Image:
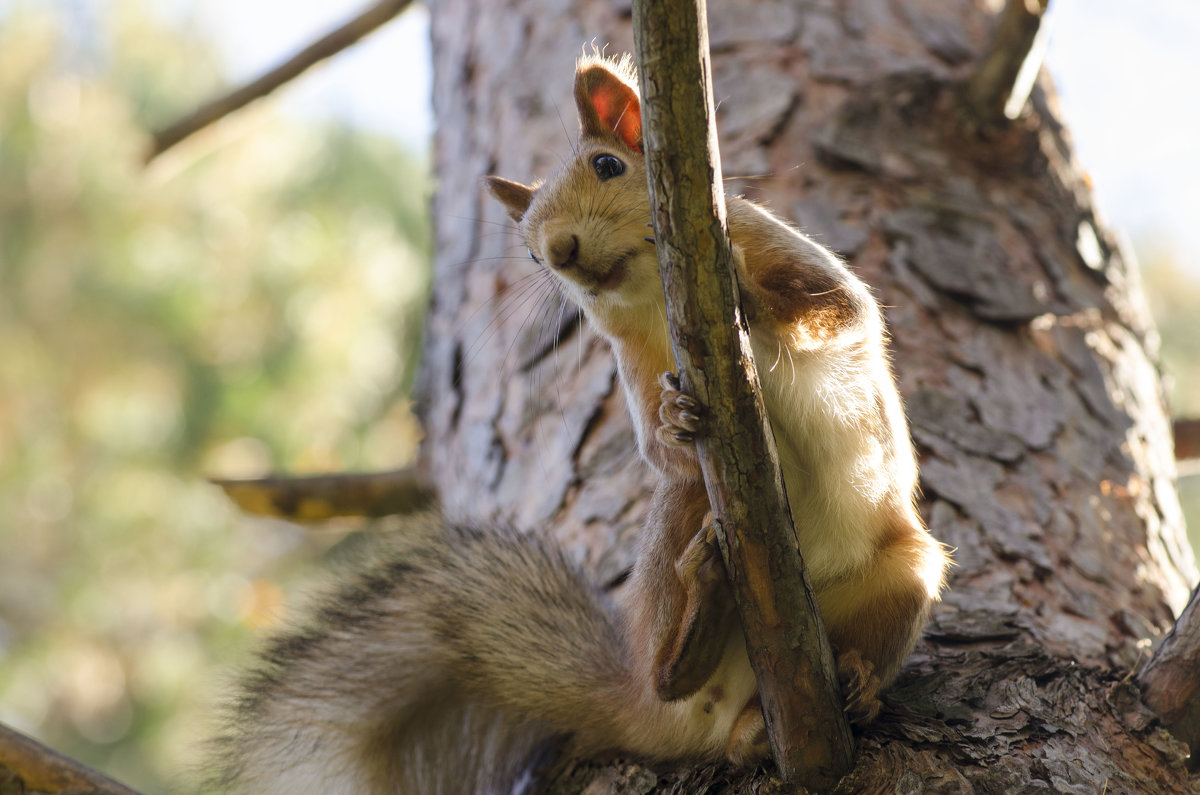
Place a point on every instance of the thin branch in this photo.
(1002, 80)
(328, 45)
(316, 498)
(785, 637)
(39, 768)
(1170, 681)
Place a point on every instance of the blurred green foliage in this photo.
(1174, 295)
(235, 309)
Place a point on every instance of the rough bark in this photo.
(785, 637)
(1021, 343)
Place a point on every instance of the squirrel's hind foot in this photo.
(860, 686)
(748, 743)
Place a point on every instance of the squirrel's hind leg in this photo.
(875, 617)
(681, 608)
(688, 659)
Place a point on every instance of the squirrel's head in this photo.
(588, 222)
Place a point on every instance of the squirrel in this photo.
(459, 654)
(847, 459)
(449, 663)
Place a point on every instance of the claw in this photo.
(861, 687)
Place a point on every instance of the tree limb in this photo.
(328, 45)
(1000, 85)
(1187, 438)
(785, 637)
(39, 768)
(316, 498)
(1170, 681)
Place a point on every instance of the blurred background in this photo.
(252, 302)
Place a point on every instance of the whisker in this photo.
(562, 308)
(563, 124)
(504, 224)
(545, 288)
(539, 297)
(510, 304)
(765, 175)
(534, 386)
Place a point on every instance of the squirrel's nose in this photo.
(563, 250)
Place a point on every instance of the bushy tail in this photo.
(438, 667)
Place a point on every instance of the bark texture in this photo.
(1021, 340)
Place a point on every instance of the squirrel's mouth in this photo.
(616, 272)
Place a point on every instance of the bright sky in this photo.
(1128, 74)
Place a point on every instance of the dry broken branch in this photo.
(1187, 438)
(328, 45)
(1002, 80)
(29, 766)
(316, 498)
(785, 638)
(1170, 681)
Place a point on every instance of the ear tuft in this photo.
(607, 100)
(515, 197)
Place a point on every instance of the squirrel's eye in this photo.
(608, 166)
(533, 257)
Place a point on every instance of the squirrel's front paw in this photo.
(679, 414)
(860, 685)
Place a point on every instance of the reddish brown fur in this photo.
(879, 610)
(673, 611)
(812, 298)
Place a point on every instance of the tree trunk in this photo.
(1022, 345)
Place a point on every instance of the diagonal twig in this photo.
(997, 90)
(328, 45)
(785, 637)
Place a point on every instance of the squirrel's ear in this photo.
(608, 105)
(513, 195)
